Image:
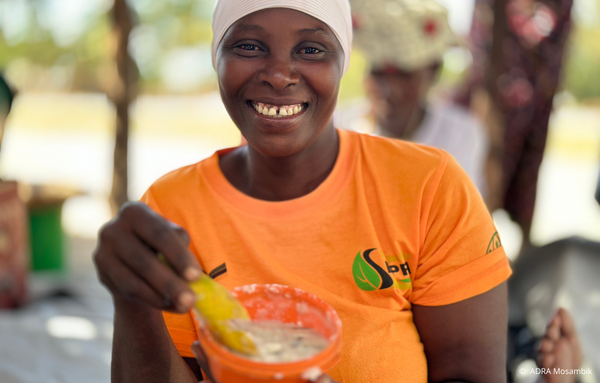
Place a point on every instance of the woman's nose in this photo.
(279, 73)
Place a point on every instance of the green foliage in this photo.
(175, 23)
(187, 23)
(38, 52)
(352, 82)
(46, 53)
(581, 74)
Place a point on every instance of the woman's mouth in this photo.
(278, 111)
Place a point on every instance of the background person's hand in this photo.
(128, 266)
(203, 363)
(560, 348)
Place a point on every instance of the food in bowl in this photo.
(278, 342)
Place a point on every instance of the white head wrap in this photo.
(334, 13)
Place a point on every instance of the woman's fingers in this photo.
(182, 233)
(199, 353)
(143, 262)
(202, 360)
(127, 262)
(162, 236)
(120, 278)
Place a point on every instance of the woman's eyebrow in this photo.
(249, 28)
(244, 28)
(313, 31)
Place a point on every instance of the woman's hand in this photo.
(127, 264)
(141, 287)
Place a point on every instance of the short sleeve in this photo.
(148, 199)
(183, 329)
(461, 254)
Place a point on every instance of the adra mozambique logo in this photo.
(369, 276)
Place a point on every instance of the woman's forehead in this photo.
(332, 16)
(279, 20)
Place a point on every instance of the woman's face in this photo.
(279, 74)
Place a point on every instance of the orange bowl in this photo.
(284, 304)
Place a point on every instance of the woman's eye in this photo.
(249, 47)
(310, 51)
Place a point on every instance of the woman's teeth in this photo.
(277, 111)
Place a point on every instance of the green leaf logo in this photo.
(494, 243)
(365, 276)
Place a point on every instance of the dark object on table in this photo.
(44, 204)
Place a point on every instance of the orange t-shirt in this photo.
(394, 224)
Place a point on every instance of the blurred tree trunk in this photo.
(499, 33)
(485, 103)
(490, 111)
(496, 117)
(121, 95)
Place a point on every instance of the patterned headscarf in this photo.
(403, 34)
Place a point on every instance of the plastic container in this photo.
(284, 304)
(47, 242)
(45, 203)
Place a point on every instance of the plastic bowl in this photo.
(284, 304)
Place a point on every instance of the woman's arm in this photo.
(142, 287)
(142, 348)
(466, 341)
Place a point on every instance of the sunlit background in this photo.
(57, 54)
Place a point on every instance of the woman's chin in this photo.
(276, 146)
(293, 138)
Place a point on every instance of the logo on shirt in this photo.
(494, 243)
(369, 276)
(218, 271)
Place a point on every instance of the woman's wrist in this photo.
(125, 308)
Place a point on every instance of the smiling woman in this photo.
(393, 235)
(295, 67)
(291, 65)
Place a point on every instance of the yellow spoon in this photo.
(217, 307)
